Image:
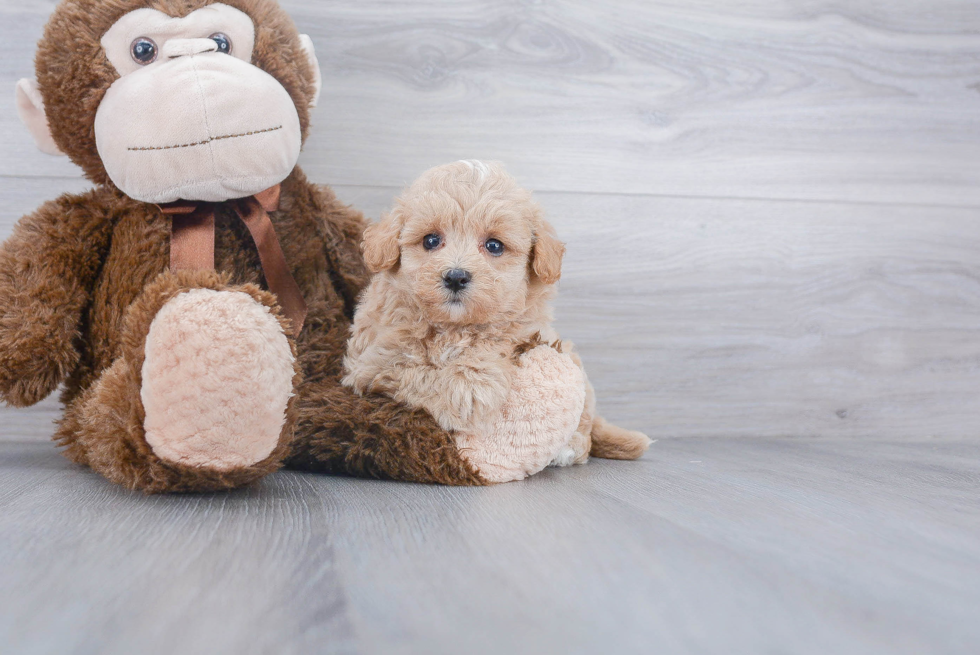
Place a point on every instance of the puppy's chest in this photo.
(445, 349)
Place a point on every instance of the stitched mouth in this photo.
(208, 140)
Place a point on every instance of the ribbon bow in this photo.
(192, 245)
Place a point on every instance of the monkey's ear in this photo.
(30, 109)
(310, 51)
(547, 253)
(380, 245)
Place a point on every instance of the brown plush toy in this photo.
(196, 302)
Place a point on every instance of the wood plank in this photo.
(202, 574)
(741, 546)
(693, 549)
(701, 317)
(866, 101)
(30, 424)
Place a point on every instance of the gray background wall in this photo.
(771, 208)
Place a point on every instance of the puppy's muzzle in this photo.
(456, 279)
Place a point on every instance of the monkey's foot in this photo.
(537, 422)
(198, 397)
(217, 380)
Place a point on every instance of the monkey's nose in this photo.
(186, 47)
(456, 279)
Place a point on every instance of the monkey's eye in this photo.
(431, 241)
(494, 247)
(224, 43)
(144, 51)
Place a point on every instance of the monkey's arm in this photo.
(47, 269)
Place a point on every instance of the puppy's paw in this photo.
(474, 396)
(581, 444)
(565, 457)
(450, 420)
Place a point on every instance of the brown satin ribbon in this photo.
(192, 245)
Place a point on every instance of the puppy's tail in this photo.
(613, 442)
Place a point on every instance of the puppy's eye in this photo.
(144, 51)
(224, 43)
(494, 247)
(431, 241)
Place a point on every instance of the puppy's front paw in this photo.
(565, 457)
(576, 452)
(451, 419)
(473, 398)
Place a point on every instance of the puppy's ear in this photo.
(380, 245)
(547, 253)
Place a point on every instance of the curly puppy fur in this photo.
(430, 344)
(82, 278)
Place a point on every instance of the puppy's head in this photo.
(468, 244)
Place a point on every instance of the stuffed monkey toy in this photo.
(196, 303)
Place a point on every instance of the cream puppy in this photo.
(465, 269)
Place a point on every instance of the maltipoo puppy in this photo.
(465, 268)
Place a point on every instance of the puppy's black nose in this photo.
(456, 279)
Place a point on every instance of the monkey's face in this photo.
(190, 117)
(178, 105)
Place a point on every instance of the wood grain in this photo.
(864, 101)
(745, 318)
(675, 98)
(202, 574)
(734, 546)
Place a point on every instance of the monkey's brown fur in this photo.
(82, 278)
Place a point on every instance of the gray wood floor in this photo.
(773, 218)
(706, 546)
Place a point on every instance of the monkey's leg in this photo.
(373, 436)
(199, 398)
